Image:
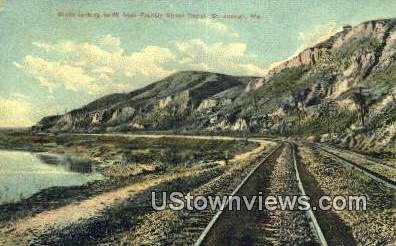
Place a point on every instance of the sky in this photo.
(58, 55)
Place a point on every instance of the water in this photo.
(23, 173)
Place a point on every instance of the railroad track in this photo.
(258, 227)
(374, 175)
(216, 219)
(195, 222)
(314, 223)
(368, 159)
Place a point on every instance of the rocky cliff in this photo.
(301, 95)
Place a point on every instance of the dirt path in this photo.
(76, 212)
(26, 229)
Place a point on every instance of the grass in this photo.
(373, 226)
(166, 151)
(163, 227)
(122, 160)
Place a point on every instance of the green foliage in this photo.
(284, 83)
(385, 77)
(325, 120)
(166, 150)
(105, 101)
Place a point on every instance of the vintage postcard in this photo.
(160, 122)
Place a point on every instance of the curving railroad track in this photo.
(379, 172)
(281, 172)
(277, 174)
(262, 227)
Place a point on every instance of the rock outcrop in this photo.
(289, 98)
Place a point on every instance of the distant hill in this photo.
(344, 86)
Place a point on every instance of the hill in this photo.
(343, 88)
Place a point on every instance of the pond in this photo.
(24, 173)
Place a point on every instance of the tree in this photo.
(298, 110)
(267, 121)
(282, 126)
(255, 103)
(328, 113)
(298, 106)
(361, 98)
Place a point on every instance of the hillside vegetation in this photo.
(343, 89)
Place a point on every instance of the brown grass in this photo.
(372, 227)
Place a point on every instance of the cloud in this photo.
(218, 27)
(318, 34)
(111, 43)
(308, 39)
(218, 57)
(104, 67)
(197, 47)
(54, 74)
(15, 111)
(98, 68)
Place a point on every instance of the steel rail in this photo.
(377, 177)
(216, 217)
(315, 224)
